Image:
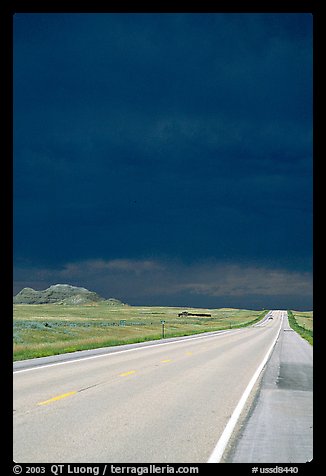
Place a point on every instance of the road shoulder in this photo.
(279, 426)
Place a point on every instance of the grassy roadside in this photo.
(302, 323)
(43, 330)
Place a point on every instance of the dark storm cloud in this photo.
(186, 136)
(174, 283)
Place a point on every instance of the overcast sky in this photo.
(165, 159)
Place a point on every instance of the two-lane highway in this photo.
(170, 401)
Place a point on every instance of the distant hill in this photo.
(61, 294)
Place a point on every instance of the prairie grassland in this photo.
(304, 319)
(302, 323)
(48, 329)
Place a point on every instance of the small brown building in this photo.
(187, 314)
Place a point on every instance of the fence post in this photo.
(162, 322)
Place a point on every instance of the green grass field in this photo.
(304, 319)
(302, 322)
(48, 329)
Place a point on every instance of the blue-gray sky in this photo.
(165, 158)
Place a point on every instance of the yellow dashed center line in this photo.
(125, 374)
(59, 397)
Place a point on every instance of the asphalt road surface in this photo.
(166, 401)
(279, 428)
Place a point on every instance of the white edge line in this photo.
(219, 449)
(38, 367)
